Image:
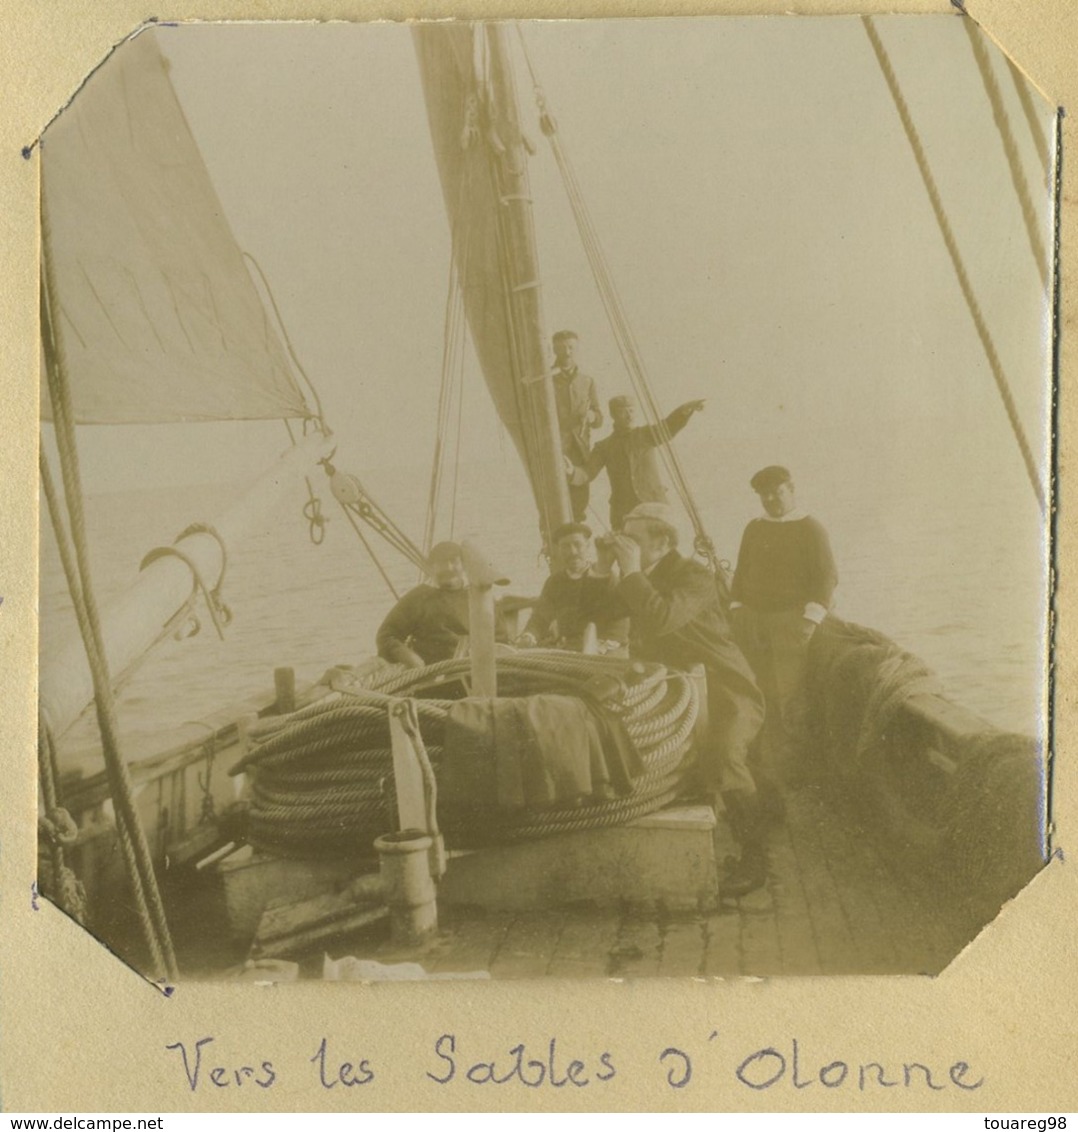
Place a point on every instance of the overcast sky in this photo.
(756, 197)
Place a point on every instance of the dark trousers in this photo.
(578, 501)
(776, 645)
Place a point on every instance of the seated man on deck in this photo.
(629, 456)
(573, 598)
(676, 619)
(781, 591)
(430, 623)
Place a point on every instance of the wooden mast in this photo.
(526, 310)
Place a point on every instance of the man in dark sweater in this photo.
(782, 590)
(572, 598)
(629, 456)
(429, 623)
(676, 619)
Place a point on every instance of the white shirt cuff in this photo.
(815, 612)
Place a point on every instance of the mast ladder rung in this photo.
(526, 286)
(511, 197)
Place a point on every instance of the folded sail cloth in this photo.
(532, 752)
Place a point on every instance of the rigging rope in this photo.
(1010, 148)
(288, 341)
(619, 322)
(361, 505)
(370, 551)
(322, 778)
(1034, 123)
(522, 385)
(77, 571)
(956, 260)
(312, 509)
(452, 383)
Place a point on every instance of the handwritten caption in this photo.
(451, 1061)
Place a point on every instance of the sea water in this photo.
(963, 586)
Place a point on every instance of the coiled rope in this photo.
(322, 777)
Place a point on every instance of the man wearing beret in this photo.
(572, 598)
(577, 404)
(782, 590)
(676, 619)
(630, 458)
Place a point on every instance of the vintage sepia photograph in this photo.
(546, 498)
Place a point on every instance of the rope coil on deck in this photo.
(322, 777)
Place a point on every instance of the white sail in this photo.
(155, 313)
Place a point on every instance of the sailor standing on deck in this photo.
(430, 623)
(781, 591)
(629, 456)
(676, 619)
(577, 403)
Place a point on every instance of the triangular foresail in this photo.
(155, 313)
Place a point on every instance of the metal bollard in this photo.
(408, 888)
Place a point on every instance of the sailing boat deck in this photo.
(832, 906)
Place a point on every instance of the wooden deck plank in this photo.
(637, 950)
(682, 947)
(862, 890)
(760, 951)
(469, 944)
(528, 946)
(797, 939)
(722, 955)
(585, 943)
(837, 947)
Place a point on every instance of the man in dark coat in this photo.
(782, 590)
(430, 623)
(577, 404)
(676, 619)
(630, 458)
(572, 598)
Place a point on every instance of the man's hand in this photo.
(693, 406)
(594, 418)
(525, 641)
(627, 554)
(604, 556)
(808, 627)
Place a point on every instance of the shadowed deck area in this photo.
(832, 906)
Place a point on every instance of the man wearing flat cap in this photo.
(630, 458)
(430, 623)
(577, 404)
(572, 598)
(782, 590)
(676, 619)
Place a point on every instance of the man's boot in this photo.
(750, 872)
